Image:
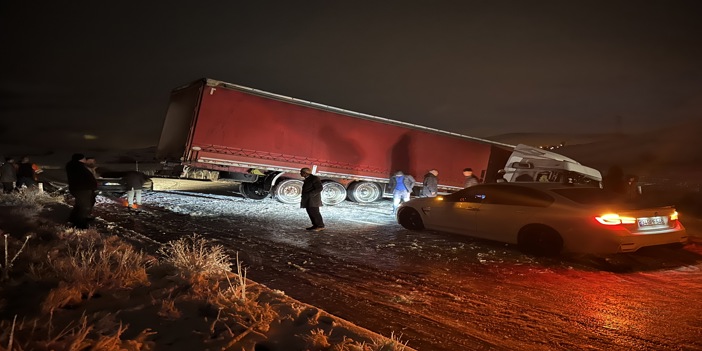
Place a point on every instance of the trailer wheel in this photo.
(364, 192)
(252, 191)
(333, 193)
(288, 191)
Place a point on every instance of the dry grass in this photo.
(393, 343)
(168, 309)
(74, 235)
(318, 339)
(92, 264)
(30, 196)
(6, 267)
(29, 211)
(193, 256)
(240, 317)
(29, 203)
(83, 263)
(38, 334)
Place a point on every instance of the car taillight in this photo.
(673, 216)
(615, 219)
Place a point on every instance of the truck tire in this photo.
(288, 191)
(364, 192)
(252, 191)
(333, 193)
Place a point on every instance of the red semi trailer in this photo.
(217, 130)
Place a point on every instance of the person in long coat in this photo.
(82, 185)
(311, 199)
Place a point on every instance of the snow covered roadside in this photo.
(139, 303)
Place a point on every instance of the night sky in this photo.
(482, 68)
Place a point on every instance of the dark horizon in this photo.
(82, 75)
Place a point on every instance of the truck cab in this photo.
(530, 164)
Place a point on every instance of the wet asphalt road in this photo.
(445, 292)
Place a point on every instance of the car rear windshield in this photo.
(589, 196)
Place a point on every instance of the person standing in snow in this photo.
(8, 175)
(401, 185)
(311, 199)
(431, 184)
(134, 182)
(83, 186)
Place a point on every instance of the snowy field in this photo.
(443, 292)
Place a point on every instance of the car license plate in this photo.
(650, 221)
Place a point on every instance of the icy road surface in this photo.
(441, 292)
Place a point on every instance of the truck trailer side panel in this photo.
(238, 128)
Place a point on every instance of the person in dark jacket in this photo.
(311, 199)
(8, 174)
(134, 182)
(82, 185)
(401, 185)
(431, 184)
(471, 179)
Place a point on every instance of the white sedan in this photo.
(546, 219)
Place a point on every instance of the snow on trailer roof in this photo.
(218, 83)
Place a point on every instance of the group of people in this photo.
(401, 185)
(82, 175)
(14, 176)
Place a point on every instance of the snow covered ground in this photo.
(442, 292)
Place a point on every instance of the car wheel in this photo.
(540, 240)
(410, 218)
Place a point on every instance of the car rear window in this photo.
(589, 196)
(516, 196)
